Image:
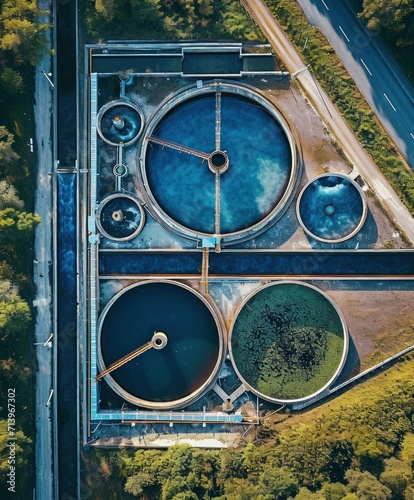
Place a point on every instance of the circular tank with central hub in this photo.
(120, 217)
(120, 122)
(331, 208)
(161, 343)
(218, 161)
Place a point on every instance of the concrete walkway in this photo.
(331, 116)
(42, 274)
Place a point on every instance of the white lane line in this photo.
(343, 32)
(366, 67)
(389, 102)
(326, 7)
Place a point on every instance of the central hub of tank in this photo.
(218, 162)
(159, 340)
(329, 209)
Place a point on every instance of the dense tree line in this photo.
(359, 446)
(179, 19)
(20, 32)
(22, 43)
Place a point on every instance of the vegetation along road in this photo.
(330, 115)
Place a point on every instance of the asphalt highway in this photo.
(372, 67)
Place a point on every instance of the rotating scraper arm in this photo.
(159, 341)
(125, 359)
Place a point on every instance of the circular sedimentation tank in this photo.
(187, 348)
(288, 342)
(120, 217)
(218, 161)
(120, 122)
(331, 208)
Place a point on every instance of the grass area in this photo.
(344, 93)
(398, 380)
(287, 341)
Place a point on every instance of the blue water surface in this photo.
(259, 171)
(131, 119)
(130, 222)
(336, 263)
(331, 207)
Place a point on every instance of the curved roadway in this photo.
(374, 70)
(330, 115)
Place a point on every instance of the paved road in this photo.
(42, 275)
(374, 70)
(330, 115)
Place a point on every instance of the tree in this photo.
(9, 197)
(397, 475)
(278, 483)
(175, 486)
(8, 157)
(11, 81)
(18, 449)
(407, 449)
(409, 493)
(333, 491)
(206, 7)
(185, 495)
(305, 494)
(14, 316)
(239, 489)
(232, 465)
(396, 16)
(20, 30)
(366, 486)
(15, 225)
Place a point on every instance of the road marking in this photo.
(366, 67)
(343, 32)
(326, 7)
(389, 102)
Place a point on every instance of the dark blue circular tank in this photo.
(168, 377)
(119, 123)
(120, 217)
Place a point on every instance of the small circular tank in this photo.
(172, 334)
(120, 122)
(288, 341)
(331, 208)
(120, 217)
